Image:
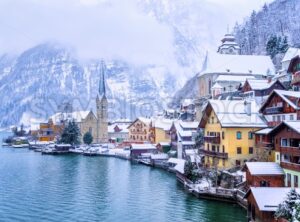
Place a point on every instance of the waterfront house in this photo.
(50, 131)
(159, 159)
(264, 201)
(137, 150)
(140, 130)
(164, 147)
(260, 89)
(118, 131)
(264, 174)
(229, 127)
(286, 138)
(183, 136)
(281, 105)
(229, 62)
(161, 130)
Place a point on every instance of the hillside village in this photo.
(238, 140)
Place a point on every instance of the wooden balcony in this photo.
(212, 139)
(265, 145)
(274, 110)
(214, 154)
(294, 151)
(290, 166)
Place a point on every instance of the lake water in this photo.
(35, 187)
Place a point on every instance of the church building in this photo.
(233, 68)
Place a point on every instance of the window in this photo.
(264, 183)
(250, 150)
(208, 147)
(284, 142)
(274, 118)
(237, 162)
(291, 117)
(277, 157)
(295, 181)
(239, 150)
(207, 133)
(223, 149)
(283, 117)
(250, 135)
(238, 135)
(288, 179)
(218, 149)
(223, 135)
(213, 148)
(278, 118)
(212, 119)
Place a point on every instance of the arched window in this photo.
(239, 135)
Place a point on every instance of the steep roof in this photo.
(295, 125)
(291, 53)
(144, 120)
(259, 84)
(164, 124)
(264, 131)
(264, 168)
(237, 64)
(269, 198)
(233, 113)
(284, 94)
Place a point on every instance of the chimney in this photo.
(247, 107)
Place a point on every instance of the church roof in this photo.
(226, 64)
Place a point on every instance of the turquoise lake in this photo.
(35, 187)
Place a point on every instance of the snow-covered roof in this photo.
(237, 64)
(232, 113)
(180, 166)
(187, 102)
(188, 143)
(264, 131)
(191, 151)
(164, 124)
(269, 198)
(291, 53)
(264, 168)
(189, 125)
(160, 156)
(174, 160)
(78, 116)
(233, 78)
(146, 146)
(217, 86)
(145, 120)
(284, 94)
(122, 126)
(260, 84)
(164, 143)
(295, 125)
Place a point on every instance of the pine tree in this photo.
(296, 212)
(287, 207)
(71, 134)
(272, 46)
(87, 138)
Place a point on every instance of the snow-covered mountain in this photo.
(42, 78)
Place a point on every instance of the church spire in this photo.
(102, 90)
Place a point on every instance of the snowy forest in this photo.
(271, 30)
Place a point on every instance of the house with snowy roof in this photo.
(283, 75)
(118, 130)
(286, 137)
(140, 130)
(161, 131)
(260, 89)
(229, 127)
(229, 62)
(294, 69)
(264, 174)
(264, 201)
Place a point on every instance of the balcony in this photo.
(294, 151)
(265, 145)
(274, 110)
(214, 154)
(290, 166)
(212, 139)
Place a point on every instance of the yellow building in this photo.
(229, 127)
(140, 130)
(161, 130)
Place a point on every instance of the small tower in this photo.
(229, 45)
(102, 109)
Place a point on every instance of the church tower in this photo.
(102, 109)
(229, 45)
